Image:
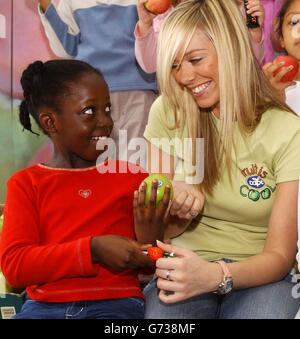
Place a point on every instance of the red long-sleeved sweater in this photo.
(49, 219)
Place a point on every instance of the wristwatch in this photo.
(226, 285)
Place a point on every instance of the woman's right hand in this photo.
(275, 81)
(119, 253)
(188, 202)
(145, 18)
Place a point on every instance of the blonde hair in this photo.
(245, 93)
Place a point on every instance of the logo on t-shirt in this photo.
(84, 193)
(255, 187)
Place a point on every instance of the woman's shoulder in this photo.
(281, 120)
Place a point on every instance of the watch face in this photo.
(226, 286)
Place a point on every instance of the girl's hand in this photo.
(150, 220)
(185, 276)
(188, 202)
(44, 4)
(119, 253)
(275, 81)
(255, 8)
(145, 18)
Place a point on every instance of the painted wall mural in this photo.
(22, 41)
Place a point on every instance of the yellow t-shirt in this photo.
(235, 219)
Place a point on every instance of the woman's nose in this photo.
(186, 74)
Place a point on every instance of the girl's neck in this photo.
(60, 160)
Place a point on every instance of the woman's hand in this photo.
(275, 81)
(119, 253)
(185, 276)
(145, 18)
(188, 202)
(150, 220)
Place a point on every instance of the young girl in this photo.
(100, 32)
(68, 233)
(149, 26)
(287, 38)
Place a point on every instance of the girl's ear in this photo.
(282, 44)
(48, 122)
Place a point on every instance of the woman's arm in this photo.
(279, 253)
(191, 275)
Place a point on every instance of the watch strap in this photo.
(225, 268)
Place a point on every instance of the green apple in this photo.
(162, 182)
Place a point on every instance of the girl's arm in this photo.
(187, 202)
(24, 259)
(145, 39)
(256, 9)
(275, 80)
(44, 4)
(275, 261)
(27, 260)
(146, 49)
(60, 27)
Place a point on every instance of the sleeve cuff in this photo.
(138, 35)
(85, 259)
(289, 176)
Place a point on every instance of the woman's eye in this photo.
(175, 67)
(89, 111)
(195, 60)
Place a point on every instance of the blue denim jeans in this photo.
(272, 301)
(127, 308)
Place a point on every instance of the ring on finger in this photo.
(168, 275)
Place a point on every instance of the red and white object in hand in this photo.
(157, 6)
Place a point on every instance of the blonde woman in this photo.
(234, 259)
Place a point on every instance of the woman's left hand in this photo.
(185, 276)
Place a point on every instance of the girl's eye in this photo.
(107, 109)
(89, 111)
(294, 21)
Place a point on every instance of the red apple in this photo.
(157, 6)
(288, 61)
